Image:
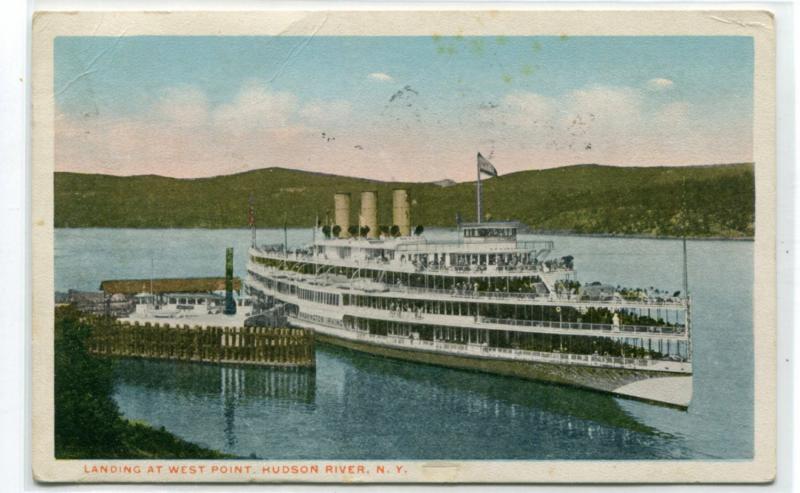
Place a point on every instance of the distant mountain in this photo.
(703, 201)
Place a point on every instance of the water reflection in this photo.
(498, 397)
(235, 383)
(361, 407)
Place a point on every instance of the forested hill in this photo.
(707, 201)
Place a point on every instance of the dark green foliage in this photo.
(88, 424)
(701, 201)
(419, 230)
(85, 415)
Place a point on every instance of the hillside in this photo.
(719, 200)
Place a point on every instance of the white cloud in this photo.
(182, 105)
(524, 108)
(256, 106)
(381, 76)
(618, 108)
(184, 134)
(675, 112)
(659, 84)
(326, 112)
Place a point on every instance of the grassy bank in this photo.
(709, 201)
(88, 424)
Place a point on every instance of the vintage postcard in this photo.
(429, 246)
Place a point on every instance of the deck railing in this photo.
(402, 266)
(550, 298)
(513, 325)
(622, 329)
(521, 354)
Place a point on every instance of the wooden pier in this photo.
(265, 346)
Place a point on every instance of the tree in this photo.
(86, 417)
(337, 230)
(395, 231)
(419, 230)
(353, 230)
(326, 230)
(364, 231)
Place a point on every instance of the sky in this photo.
(398, 108)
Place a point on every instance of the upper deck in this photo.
(485, 248)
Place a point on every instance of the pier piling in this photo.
(266, 346)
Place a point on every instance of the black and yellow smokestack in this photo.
(230, 303)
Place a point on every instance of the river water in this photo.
(356, 406)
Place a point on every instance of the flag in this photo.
(484, 166)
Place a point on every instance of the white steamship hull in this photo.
(658, 386)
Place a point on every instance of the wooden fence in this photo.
(266, 346)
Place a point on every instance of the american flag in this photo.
(484, 166)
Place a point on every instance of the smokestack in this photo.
(341, 205)
(230, 304)
(369, 212)
(401, 212)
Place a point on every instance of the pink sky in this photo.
(182, 134)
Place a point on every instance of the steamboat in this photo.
(486, 299)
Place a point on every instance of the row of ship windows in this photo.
(489, 310)
(316, 296)
(302, 293)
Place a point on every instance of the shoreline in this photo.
(532, 232)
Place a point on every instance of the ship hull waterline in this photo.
(654, 387)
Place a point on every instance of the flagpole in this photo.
(478, 186)
(252, 219)
(314, 246)
(285, 238)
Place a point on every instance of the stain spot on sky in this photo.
(476, 46)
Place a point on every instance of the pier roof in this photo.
(168, 285)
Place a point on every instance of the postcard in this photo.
(461, 246)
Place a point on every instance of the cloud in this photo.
(326, 112)
(256, 106)
(659, 84)
(611, 125)
(182, 105)
(381, 76)
(528, 108)
(184, 134)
